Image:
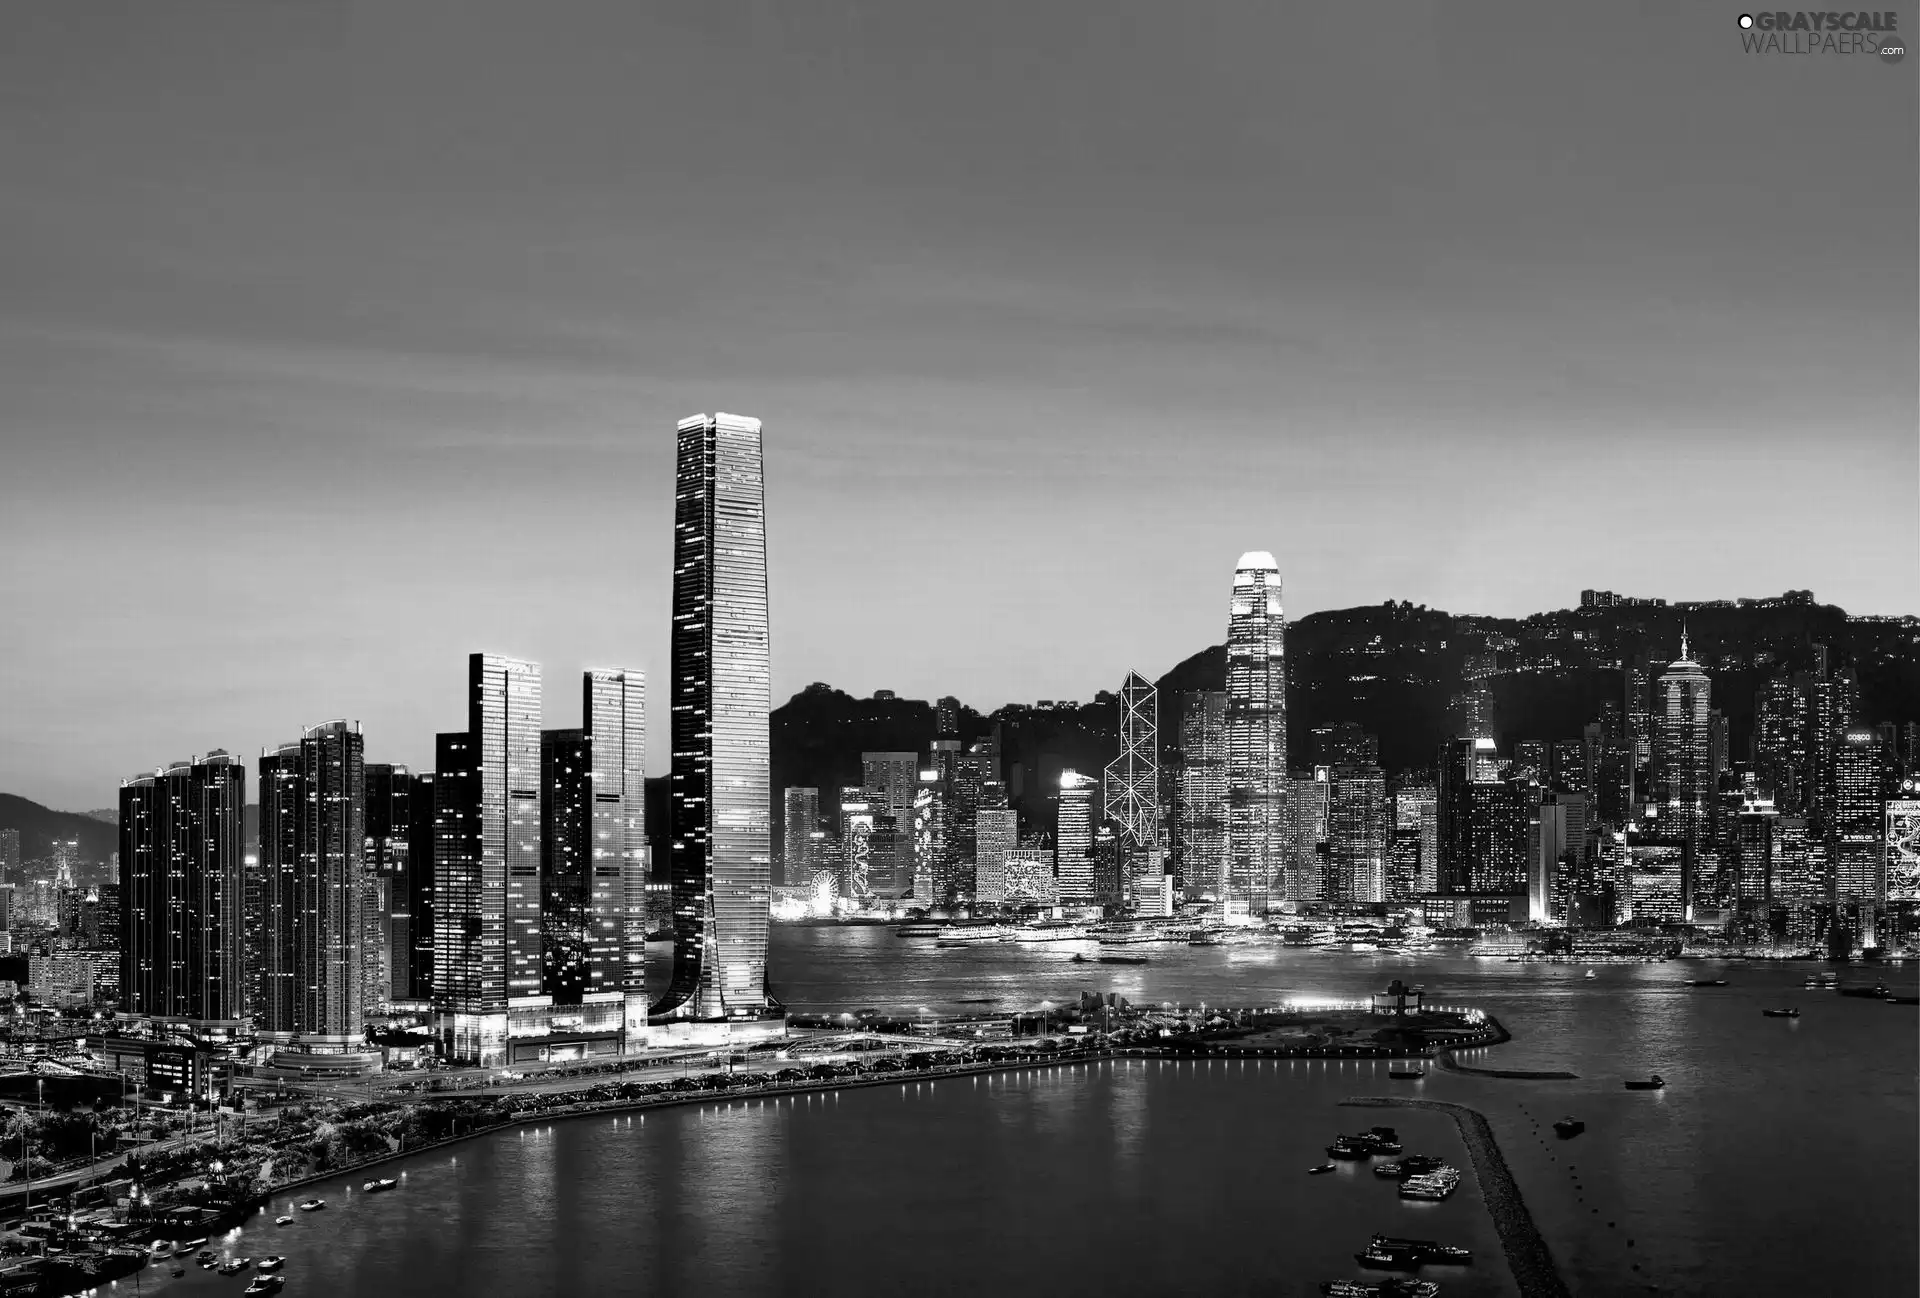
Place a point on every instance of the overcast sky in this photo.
(340, 340)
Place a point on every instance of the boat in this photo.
(1875, 992)
(283, 1221)
(1349, 1289)
(192, 1244)
(1903, 1000)
(973, 936)
(1654, 1083)
(161, 1249)
(1592, 974)
(1568, 1128)
(375, 1187)
(178, 1271)
(1052, 930)
(265, 1284)
(920, 930)
(273, 1263)
(1121, 959)
(313, 1205)
(1706, 982)
(1406, 1074)
(1782, 1014)
(234, 1266)
(206, 1255)
(1388, 1259)
(1402, 1168)
(1429, 1250)
(1078, 958)
(1433, 1186)
(1346, 1147)
(1321, 1169)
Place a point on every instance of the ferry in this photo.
(1406, 1074)
(1426, 1249)
(974, 936)
(1402, 1169)
(920, 930)
(1128, 937)
(1123, 959)
(1050, 930)
(1434, 1186)
(1877, 991)
(1397, 1288)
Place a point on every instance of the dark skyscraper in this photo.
(181, 929)
(566, 802)
(721, 699)
(388, 921)
(1483, 821)
(312, 845)
(1203, 790)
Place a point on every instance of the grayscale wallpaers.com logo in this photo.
(1849, 32)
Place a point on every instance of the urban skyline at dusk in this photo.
(209, 347)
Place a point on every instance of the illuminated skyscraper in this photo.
(566, 800)
(1416, 810)
(487, 931)
(1682, 754)
(313, 834)
(182, 939)
(1256, 733)
(893, 779)
(613, 708)
(1358, 835)
(1073, 838)
(1132, 789)
(1856, 851)
(386, 920)
(721, 851)
(802, 817)
(997, 836)
(1203, 791)
(1902, 833)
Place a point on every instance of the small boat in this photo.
(1388, 1259)
(1122, 959)
(1706, 982)
(272, 1263)
(1592, 974)
(1789, 1013)
(283, 1221)
(1428, 1250)
(1321, 1169)
(1406, 1074)
(1875, 992)
(235, 1266)
(178, 1272)
(1401, 1169)
(265, 1284)
(206, 1255)
(1078, 958)
(375, 1187)
(313, 1205)
(1653, 1083)
(161, 1249)
(1346, 1147)
(192, 1244)
(1568, 1128)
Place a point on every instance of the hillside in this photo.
(39, 826)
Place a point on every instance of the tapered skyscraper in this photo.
(721, 849)
(1682, 771)
(1256, 734)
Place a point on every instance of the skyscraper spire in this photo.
(1684, 655)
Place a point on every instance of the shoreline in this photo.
(1445, 1061)
(1528, 1257)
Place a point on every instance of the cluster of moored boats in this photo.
(1421, 1176)
(266, 1279)
(1397, 1287)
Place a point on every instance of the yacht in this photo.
(1321, 1169)
(1568, 1128)
(1434, 1186)
(265, 1284)
(192, 1244)
(161, 1249)
(234, 1266)
(283, 1221)
(313, 1205)
(1653, 1083)
(375, 1187)
(272, 1263)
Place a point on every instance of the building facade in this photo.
(1256, 735)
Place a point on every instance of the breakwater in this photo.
(1500, 1036)
(1527, 1254)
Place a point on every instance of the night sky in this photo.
(340, 340)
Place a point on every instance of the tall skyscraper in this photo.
(1203, 791)
(182, 936)
(487, 932)
(1132, 788)
(854, 877)
(1308, 853)
(1073, 838)
(802, 816)
(1778, 746)
(566, 808)
(1862, 781)
(1682, 751)
(1358, 835)
(1416, 811)
(1256, 733)
(614, 715)
(893, 779)
(1482, 822)
(9, 855)
(718, 811)
(1902, 834)
(313, 835)
(421, 829)
(998, 835)
(387, 912)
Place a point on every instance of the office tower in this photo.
(1612, 766)
(893, 779)
(1073, 838)
(1861, 782)
(720, 853)
(1682, 784)
(946, 718)
(1203, 790)
(1109, 874)
(1256, 734)
(1832, 697)
(181, 931)
(1640, 709)
(1902, 834)
(313, 835)
(1357, 835)
(1719, 746)
(614, 715)
(66, 860)
(1403, 865)
(1482, 822)
(566, 802)
(929, 837)
(1131, 798)
(854, 878)
(997, 835)
(971, 772)
(1416, 812)
(1307, 850)
(1657, 871)
(421, 831)
(1530, 758)
(801, 816)
(486, 867)
(890, 855)
(386, 914)
(1568, 768)
(1753, 853)
(1559, 828)
(9, 855)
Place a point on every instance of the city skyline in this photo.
(1463, 317)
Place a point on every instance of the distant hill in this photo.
(39, 826)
